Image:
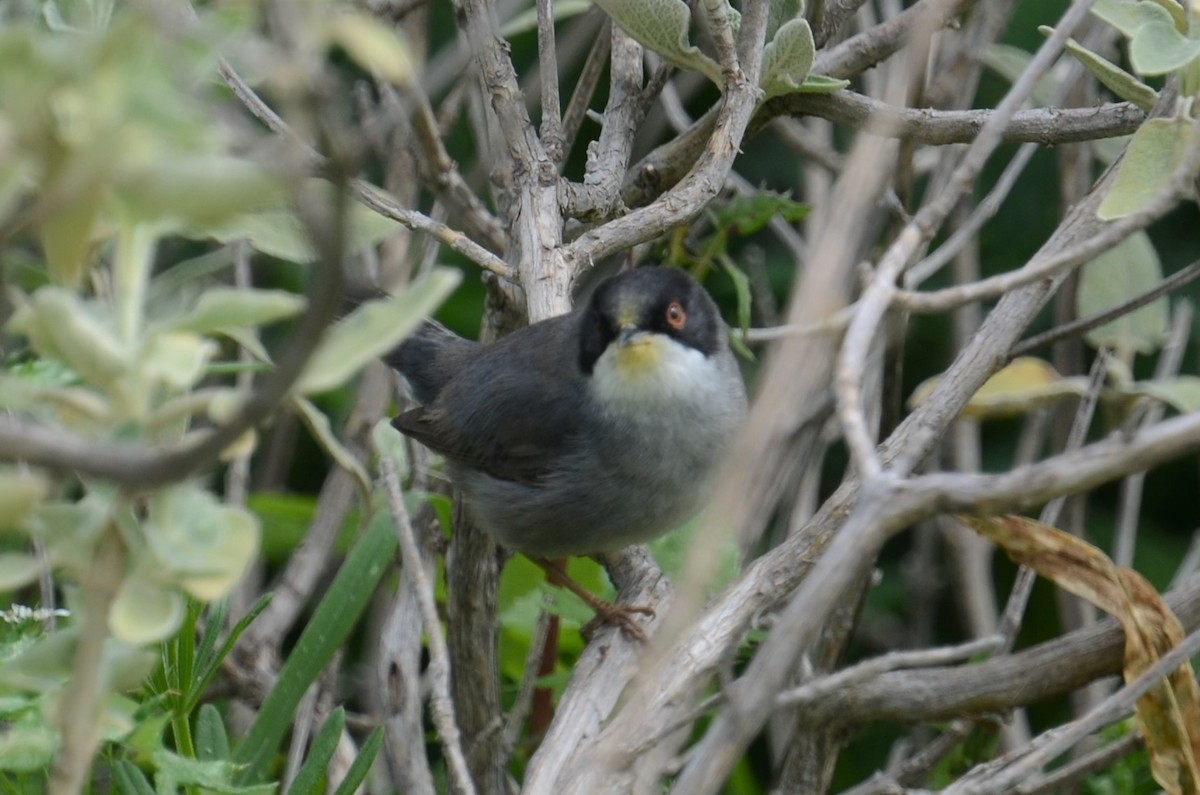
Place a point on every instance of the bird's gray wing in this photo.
(515, 412)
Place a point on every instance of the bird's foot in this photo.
(606, 612)
(622, 616)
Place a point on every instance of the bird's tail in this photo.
(428, 359)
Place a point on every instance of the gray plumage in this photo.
(563, 442)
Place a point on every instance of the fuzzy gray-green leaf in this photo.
(372, 330)
(220, 308)
(1130, 268)
(1156, 150)
(1157, 48)
(662, 26)
(1182, 392)
(144, 612)
(787, 59)
(1113, 77)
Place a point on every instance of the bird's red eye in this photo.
(676, 317)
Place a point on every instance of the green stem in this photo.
(83, 698)
(132, 260)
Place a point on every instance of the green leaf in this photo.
(331, 623)
(20, 493)
(1178, 14)
(196, 189)
(1129, 15)
(27, 746)
(1113, 77)
(1156, 29)
(1157, 48)
(374, 47)
(672, 550)
(144, 612)
(68, 237)
(788, 58)
(781, 12)
(130, 779)
(203, 545)
(126, 667)
(662, 26)
(318, 425)
(372, 330)
(741, 285)
(70, 529)
(361, 765)
(176, 359)
(821, 84)
(390, 442)
(279, 233)
(1154, 153)
(748, 214)
(18, 569)
(209, 663)
(212, 744)
(78, 334)
(43, 666)
(1181, 393)
(309, 778)
(1129, 269)
(221, 308)
(174, 771)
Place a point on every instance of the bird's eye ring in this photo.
(676, 317)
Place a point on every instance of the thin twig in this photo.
(967, 231)
(237, 476)
(585, 87)
(1051, 126)
(1190, 563)
(1018, 598)
(1175, 281)
(1048, 746)
(845, 679)
(514, 721)
(883, 292)
(1113, 233)
(364, 192)
(551, 129)
(1130, 500)
(441, 705)
(1070, 775)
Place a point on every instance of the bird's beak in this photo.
(629, 335)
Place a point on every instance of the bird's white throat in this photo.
(652, 370)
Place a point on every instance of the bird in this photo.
(587, 432)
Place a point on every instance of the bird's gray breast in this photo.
(639, 466)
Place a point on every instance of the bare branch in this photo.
(1045, 126)
(369, 195)
(551, 130)
(1085, 250)
(1175, 281)
(1008, 777)
(993, 686)
(441, 705)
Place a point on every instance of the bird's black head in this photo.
(650, 299)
